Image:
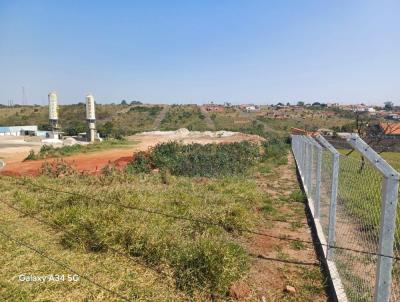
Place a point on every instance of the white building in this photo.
(18, 130)
(251, 109)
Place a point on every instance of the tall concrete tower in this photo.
(90, 118)
(53, 111)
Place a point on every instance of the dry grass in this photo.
(171, 259)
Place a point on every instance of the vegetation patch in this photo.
(49, 151)
(151, 110)
(200, 256)
(184, 116)
(210, 160)
(276, 151)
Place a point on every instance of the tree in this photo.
(389, 106)
(106, 129)
(300, 103)
(136, 103)
(123, 102)
(75, 128)
(372, 134)
(44, 127)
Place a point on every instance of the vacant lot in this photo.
(95, 157)
(155, 236)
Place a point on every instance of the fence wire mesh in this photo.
(396, 264)
(350, 203)
(326, 189)
(357, 226)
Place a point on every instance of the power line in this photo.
(209, 222)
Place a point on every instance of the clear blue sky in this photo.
(198, 51)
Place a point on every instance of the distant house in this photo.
(332, 105)
(326, 132)
(249, 107)
(252, 109)
(298, 131)
(393, 116)
(214, 108)
(390, 130)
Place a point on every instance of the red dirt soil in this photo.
(93, 162)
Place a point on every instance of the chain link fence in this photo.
(353, 200)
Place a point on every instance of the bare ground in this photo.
(279, 263)
(120, 157)
(210, 123)
(160, 117)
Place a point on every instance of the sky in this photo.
(189, 51)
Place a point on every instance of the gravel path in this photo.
(210, 123)
(160, 117)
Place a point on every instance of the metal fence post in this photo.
(390, 186)
(303, 159)
(309, 166)
(383, 280)
(332, 206)
(333, 197)
(318, 182)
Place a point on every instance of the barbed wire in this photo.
(63, 265)
(207, 222)
(54, 226)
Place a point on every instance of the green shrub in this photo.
(297, 196)
(209, 160)
(276, 150)
(88, 235)
(57, 168)
(140, 164)
(109, 170)
(153, 110)
(165, 176)
(31, 156)
(204, 264)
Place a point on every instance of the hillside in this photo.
(122, 120)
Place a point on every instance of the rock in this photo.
(239, 290)
(263, 299)
(290, 289)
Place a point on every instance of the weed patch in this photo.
(297, 196)
(211, 160)
(48, 151)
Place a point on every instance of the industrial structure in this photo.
(55, 132)
(90, 118)
(53, 111)
(53, 117)
(19, 130)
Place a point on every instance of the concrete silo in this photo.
(90, 118)
(53, 110)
